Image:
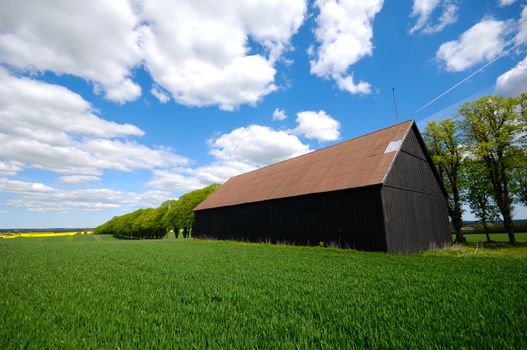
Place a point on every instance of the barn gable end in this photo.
(412, 197)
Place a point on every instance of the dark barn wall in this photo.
(353, 218)
(415, 208)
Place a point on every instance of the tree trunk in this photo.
(457, 223)
(507, 217)
(486, 230)
(509, 226)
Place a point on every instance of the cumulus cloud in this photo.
(49, 127)
(200, 52)
(279, 114)
(317, 125)
(521, 36)
(344, 33)
(258, 145)
(241, 150)
(423, 10)
(484, 41)
(95, 40)
(188, 179)
(514, 81)
(504, 3)
(39, 197)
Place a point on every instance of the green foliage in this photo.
(492, 127)
(180, 213)
(479, 193)
(519, 176)
(482, 158)
(155, 222)
(443, 140)
(79, 292)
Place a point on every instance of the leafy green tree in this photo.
(443, 140)
(479, 194)
(519, 176)
(492, 127)
(188, 202)
(177, 215)
(170, 218)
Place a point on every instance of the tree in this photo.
(519, 176)
(175, 214)
(170, 218)
(492, 126)
(479, 194)
(186, 206)
(443, 142)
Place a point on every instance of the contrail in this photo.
(462, 81)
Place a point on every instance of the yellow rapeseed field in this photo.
(44, 234)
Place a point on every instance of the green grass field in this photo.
(498, 237)
(101, 292)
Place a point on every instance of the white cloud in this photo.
(279, 114)
(172, 180)
(50, 127)
(521, 36)
(504, 3)
(10, 168)
(482, 42)
(158, 93)
(344, 31)
(317, 125)
(42, 198)
(78, 179)
(188, 179)
(243, 149)
(256, 144)
(423, 9)
(95, 40)
(514, 81)
(199, 51)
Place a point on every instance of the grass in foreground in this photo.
(108, 293)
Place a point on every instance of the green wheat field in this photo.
(100, 292)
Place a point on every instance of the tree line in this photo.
(481, 156)
(175, 215)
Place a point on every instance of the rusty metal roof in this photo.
(359, 162)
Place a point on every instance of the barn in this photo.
(378, 192)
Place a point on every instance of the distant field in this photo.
(100, 292)
(498, 237)
(43, 234)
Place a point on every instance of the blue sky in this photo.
(107, 107)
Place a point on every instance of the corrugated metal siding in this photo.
(413, 173)
(351, 218)
(415, 209)
(414, 221)
(412, 146)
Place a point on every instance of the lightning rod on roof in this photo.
(395, 104)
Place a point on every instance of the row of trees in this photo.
(173, 215)
(481, 156)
